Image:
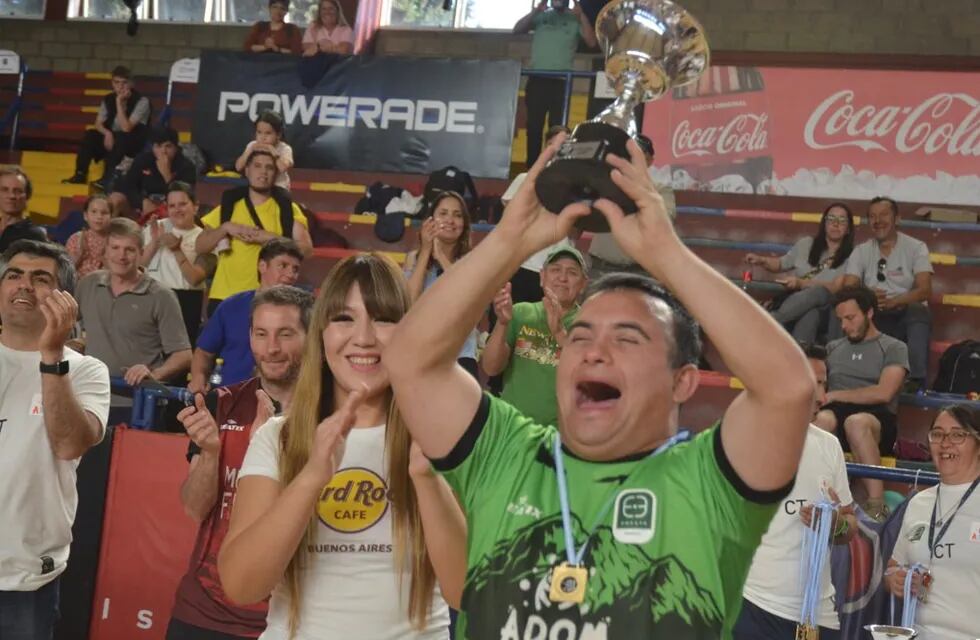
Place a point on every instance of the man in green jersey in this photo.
(590, 536)
(525, 343)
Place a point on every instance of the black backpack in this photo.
(281, 197)
(959, 369)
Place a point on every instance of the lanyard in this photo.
(945, 525)
(575, 559)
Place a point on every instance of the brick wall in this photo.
(929, 27)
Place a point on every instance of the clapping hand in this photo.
(552, 312)
(60, 313)
(503, 305)
(330, 439)
(200, 425)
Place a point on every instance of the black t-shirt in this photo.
(23, 229)
(144, 179)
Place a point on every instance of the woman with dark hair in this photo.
(276, 35)
(816, 266)
(940, 532)
(443, 239)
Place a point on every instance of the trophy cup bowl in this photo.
(651, 46)
(889, 632)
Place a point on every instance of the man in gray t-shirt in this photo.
(896, 267)
(865, 372)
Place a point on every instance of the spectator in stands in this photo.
(144, 187)
(170, 254)
(121, 128)
(132, 322)
(443, 239)
(817, 265)
(896, 267)
(226, 334)
(946, 546)
(269, 132)
(329, 31)
(526, 282)
(866, 371)
(629, 362)
(280, 317)
(87, 247)
(773, 594)
(238, 232)
(276, 35)
(54, 404)
(605, 254)
(365, 567)
(556, 29)
(15, 191)
(528, 337)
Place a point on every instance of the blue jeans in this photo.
(29, 615)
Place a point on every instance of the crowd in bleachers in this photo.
(353, 476)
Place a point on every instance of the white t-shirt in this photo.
(164, 267)
(908, 258)
(350, 587)
(951, 611)
(38, 497)
(535, 262)
(285, 152)
(773, 583)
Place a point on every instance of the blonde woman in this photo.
(330, 516)
(329, 31)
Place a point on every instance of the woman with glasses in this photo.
(940, 533)
(815, 267)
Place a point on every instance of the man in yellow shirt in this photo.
(253, 221)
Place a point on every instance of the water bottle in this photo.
(215, 379)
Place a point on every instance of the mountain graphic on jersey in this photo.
(631, 596)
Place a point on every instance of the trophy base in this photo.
(579, 172)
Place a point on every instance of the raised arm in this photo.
(525, 24)
(768, 420)
(435, 395)
(585, 28)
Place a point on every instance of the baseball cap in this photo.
(566, 251)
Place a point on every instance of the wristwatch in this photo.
(58, 369)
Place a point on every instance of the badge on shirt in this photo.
(634, 516)
(37, 406)
(916, 531)
(975, 532)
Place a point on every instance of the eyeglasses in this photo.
(881, 269)
(837, 220)
(956, 436)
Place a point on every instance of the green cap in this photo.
(568, 251)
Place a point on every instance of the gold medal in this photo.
(568, 583)
(807, 632)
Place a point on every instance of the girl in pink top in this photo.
(329, 31)
(87, 246)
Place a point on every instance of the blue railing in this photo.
(147, 396)
(567, 76)
(913, 477)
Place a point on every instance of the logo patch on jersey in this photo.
(634, 516)
(975, 532)
(915, 533)
(355, 500)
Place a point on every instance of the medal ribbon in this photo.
(932, 521)
(816, 549)
(575, 559)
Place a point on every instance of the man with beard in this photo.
(610, 526)
(220, 434)
(526, 341)
(866, 369)
(238, 232)
(896, 267)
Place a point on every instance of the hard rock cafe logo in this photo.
(354, 500)
(744, 133)
(944, 123)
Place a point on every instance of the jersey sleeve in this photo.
(299, 216)
(212, 219)
(499, 442)
(789, 260)
(262, 457)
(897, 354)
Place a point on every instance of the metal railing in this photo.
(147, 397)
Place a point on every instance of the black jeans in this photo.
(755, 623)
(29, 615)
(542, 97)
(124, 144)
(178, 630)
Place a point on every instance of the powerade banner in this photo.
(405, 115)
(826, 133)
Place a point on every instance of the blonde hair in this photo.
(341, 20)
(386, 297)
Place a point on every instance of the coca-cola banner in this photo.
(914, 136)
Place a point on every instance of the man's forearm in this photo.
(201, 364)
(208, 239)
(443, 318)
(587, 31)
(496, 354)
(71, 430)
(753, 346)
(199, 493)
(177, 363)
(911, 297)
(524, 24)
